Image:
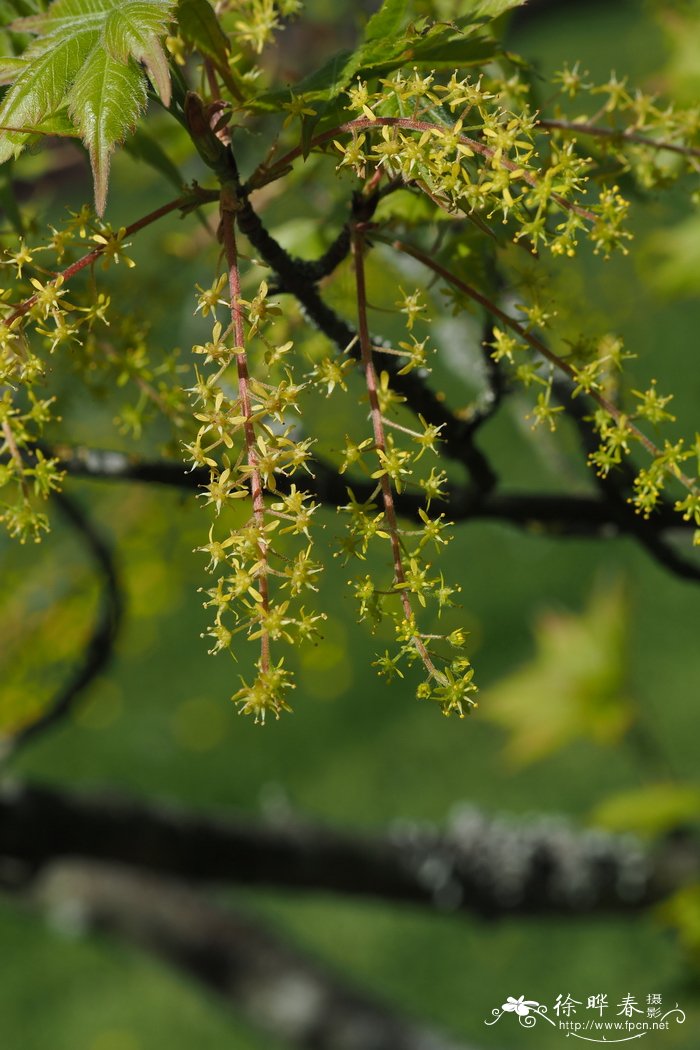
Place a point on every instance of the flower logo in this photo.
(520, 1006)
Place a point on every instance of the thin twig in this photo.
(621, 134)
(536, 344)
(91, 257)
(261, 177)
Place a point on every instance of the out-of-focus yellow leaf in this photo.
(681, 912)
(574, 686)
(650, 810)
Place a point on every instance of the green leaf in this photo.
(105, 102)
(491, 8)
(85, 58)
(455, 50)
(575, 685)
(133, 30)
(387, 21)
(200, 27)
(144, 147)
(681, 913)
(407, 207)
(651, 810)
(41, 89)
(10, 68)
(59, 123)
(672, 258)
(327, 83)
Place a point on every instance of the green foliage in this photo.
(681, 913)
(575, 686)
(651, 810)
(84, 62)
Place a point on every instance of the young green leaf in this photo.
(105, 102)
(492, 8)
(387, 21)
(85, 58)
(200, 27)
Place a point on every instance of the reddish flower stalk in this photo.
(536, 344)
(256, 487)
(358, 243)
(92, 256)
(618, 134)
(263, 175)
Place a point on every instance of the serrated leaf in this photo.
(57, 124)
(105, 102)
(40, 89)
(10, 68)
(440, 46)
(650, 810)
(132, 30)
(387, 21)
(85, 57)
(492, 8)
(458, 50)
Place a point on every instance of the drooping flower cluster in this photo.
(248, 443)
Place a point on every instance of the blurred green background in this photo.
(355, 753)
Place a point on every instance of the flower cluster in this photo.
(40, 317)
(460, 143)
(249, 444)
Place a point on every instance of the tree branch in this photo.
(616, 487)
(456, 434)
(559, 515)
(100, 645)
(484, 866)
(256, 973)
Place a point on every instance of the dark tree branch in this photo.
(491, 868)
(558, 515)
(256, 973)
(617, 486)
(496, 384)
(99, 648)
(456, 434)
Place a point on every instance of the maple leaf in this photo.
(85, 73)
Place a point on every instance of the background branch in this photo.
(484, 866)
(256, 973)
(555, 514)
(100, 645)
